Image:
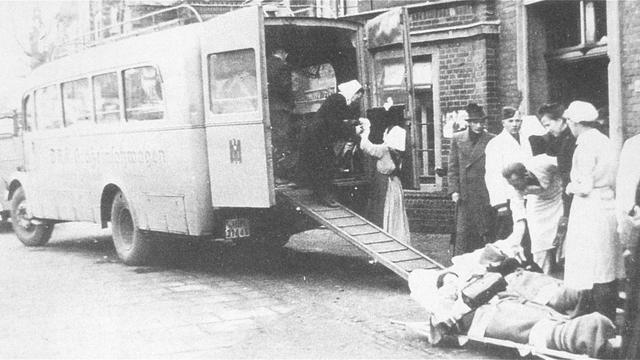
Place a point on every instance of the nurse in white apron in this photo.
(593, 252)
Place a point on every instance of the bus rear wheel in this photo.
(132, 245)
(30, 232)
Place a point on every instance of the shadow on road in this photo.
(295, 261)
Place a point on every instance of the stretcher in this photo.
(524, 350)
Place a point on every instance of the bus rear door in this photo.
(236, 110)
(391, 66)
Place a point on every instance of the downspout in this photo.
(614, 50)
(522, 57)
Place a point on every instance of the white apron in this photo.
(592, 251)
(544, 210)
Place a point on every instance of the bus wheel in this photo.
(29, 231)
(131, 244)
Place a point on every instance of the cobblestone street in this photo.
(317, 298)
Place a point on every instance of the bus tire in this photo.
(30, 233)
(132, 245)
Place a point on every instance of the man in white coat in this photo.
(539, 180)
(506, 148)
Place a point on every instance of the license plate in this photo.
(236, 228)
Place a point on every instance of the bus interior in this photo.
(321, 57)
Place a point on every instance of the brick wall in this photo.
(432, 213)
(630, 28)
(452, 14)
(507, 62)
(469, 72)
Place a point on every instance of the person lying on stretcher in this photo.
(523, 307)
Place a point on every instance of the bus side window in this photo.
(106, 98)
(233, 86)
(48, 108)
(143, 94)
(28, 113)
(75, 102)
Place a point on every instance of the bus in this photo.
(11, 158)
(168, 131)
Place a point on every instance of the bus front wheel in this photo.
(131, 244)
(30, 232)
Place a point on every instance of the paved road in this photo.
(317, 298)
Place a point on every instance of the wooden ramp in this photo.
(384, 248)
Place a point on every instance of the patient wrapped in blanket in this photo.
(524, 307)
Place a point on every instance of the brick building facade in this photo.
(519, 53)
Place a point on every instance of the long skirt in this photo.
(395, 220)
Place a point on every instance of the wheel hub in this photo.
(24, 217)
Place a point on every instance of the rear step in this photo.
(384, 248)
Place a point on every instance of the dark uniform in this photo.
(281, 104)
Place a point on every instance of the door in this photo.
(236, 111)
(390, 68)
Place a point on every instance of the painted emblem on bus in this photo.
(235, 151)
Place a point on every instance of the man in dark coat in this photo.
(280, 108)
(467, 185)
(334, 121)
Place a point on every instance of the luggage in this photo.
(480, 290)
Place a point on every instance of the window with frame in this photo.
(143, 94)
(106, 98)
(571, 24)
(48, 108)
(391, 83)
(29, 118)
(233, 86)
(76, 102)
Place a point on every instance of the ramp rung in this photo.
(374, 238)
(339, 214)
(350, 221)
(402, 247)
(386, 246)
(362, 229)
(321, 208)
(403, 255)
(411, 265)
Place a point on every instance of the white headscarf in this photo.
(581, 111)
(349, 88)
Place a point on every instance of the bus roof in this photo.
(155, 48)
(159, 45)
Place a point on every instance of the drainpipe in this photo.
(614, 50)
(522, 57)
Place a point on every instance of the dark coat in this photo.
(316, 163)
(279, 84)
(466, 177)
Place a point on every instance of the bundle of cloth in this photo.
(486, 294)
